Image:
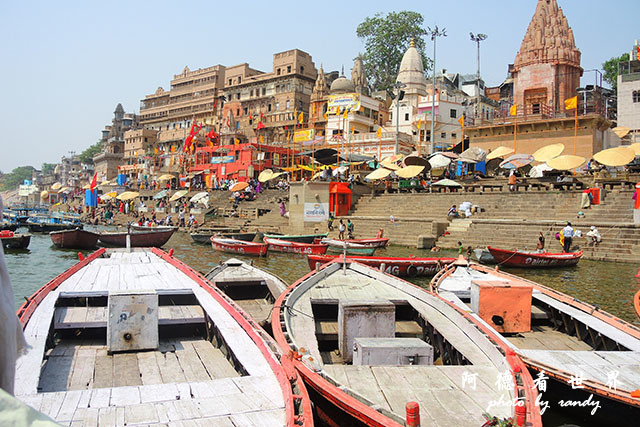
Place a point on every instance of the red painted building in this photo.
(238, 161)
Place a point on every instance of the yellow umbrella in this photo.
(566, 162)
(636, 148)
(44, 194)
(56, 186)
(618, 156)
(178, 194)
(391, 166)
(105, 182)
(128, 195)
(409, 171)
(63, 189)
(111, 194)
(499, 152)
(166, 177)
(265, 175)
(378, 174)
(548, 152)
(621, 131)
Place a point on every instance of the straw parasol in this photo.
(87, 187)
(621, 131)
(473, 153)
(548, 152)
(500, 152)
(378, 174)
(636, 148)
(166, 177)
(393, 158)
(439, 161)
(199, 196)
(447, 183)
(618, 156)
(265, 175)
(56, 186)
(409, 171)
(178, 195)
(105, 182)
(516, 161)
(391, 166)
(160, 194)
(128, 195)
(239, 186)
(566, 162)
(44, 194)
(449, 154)
(275, 175)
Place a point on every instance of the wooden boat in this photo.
(557, 336)
(47, 225)
(417, 348)
(205, 237)
(295, 247)
(130, 337)
(483, 256)
(11, 240)
(300, 238)
(352, 251)
(534, 259)
(145, 239)
(7, 225)
(74, 239)
(396, 266)
(253, 289)
(241, 247)
(137, 227)
(357, 243)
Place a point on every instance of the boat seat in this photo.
(96, 317)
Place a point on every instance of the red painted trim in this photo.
(250, 328)
(26, 310)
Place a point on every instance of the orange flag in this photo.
(571, 103)
(419, 123)
(513, 110)
(461, 120)
(379, 133)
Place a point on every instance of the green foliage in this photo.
(386, 39)
(499, 422)
(11, 180)
(48, 168)
(87, 155)
(611, 70)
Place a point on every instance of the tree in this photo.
(48, 168)
(611, 70)
(87, 155)
(11, 180)
(386, 39)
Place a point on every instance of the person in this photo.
(540, 243)
(181, 218)
(341, 229)
(330, 221)
(636, 204)
(350, 229)
(283, 208)
(453, 212)
(512, 181)
(585, 201)
(469, 251)
(593, 236)
(567, 232)
(435, 249)
(192, 220)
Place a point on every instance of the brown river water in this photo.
(608, 285)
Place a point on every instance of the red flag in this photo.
(250, 117)
(260, 126)
(261, 115)
(215, 103)
(94, 182)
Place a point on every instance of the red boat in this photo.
(378, 242)
(401, 267)
(235, 246)
(295, 247)
(534, 259)
(145, 239)
(74, 239)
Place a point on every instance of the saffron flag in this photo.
(514, 110)
(300, 118)
(94, 182)
(338, 111)
(236, 141)
(155, 150)
(571, 103)
(261, 139)
(346, 113)
(461, 120)
(353, 130)
(260, 126)
(379, 133)
(325, 115)
(419, 123)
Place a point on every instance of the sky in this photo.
(65, 65)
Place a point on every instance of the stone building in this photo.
(112, 155)
(139, 149)
(629, 95)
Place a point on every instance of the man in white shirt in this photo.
(567, 232)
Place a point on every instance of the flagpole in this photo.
(575, 134)
(515, 133)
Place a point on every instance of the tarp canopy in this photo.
(160, 194)
(178, 195)
(409, 171)
(199, 196)
(265, 175)
(548, 152)
(439, 161)
(447, 183)
(566, 162)
(517, 161)
(378, 174)
(239, 186)
(416, 161)
(128, 195)
(474, 153)
(501, 151)
(618, 156)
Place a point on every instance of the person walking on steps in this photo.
(568, 237)
(341, 229)
(349, 229)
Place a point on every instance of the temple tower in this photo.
(318, 106)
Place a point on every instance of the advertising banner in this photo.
(303, 135)
(316, 212)
(348, 101)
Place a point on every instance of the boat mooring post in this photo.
(413, 414)
(128, 239)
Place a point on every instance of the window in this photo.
(264, 91)
(245, 111)
(237, 112)
(288, 68)
(278, 72)
(406, 117)
(443, 135)
(301, 69)
(453, 135)
(453, 113)
(636, 96)
(277, 106)
(288, 104)
(239, 79)
(238, 95)
(230, 82)
(251, 93)
(269, 107)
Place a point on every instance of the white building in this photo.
(629, 94)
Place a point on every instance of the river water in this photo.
(609, 285)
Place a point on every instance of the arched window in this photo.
(636, 96)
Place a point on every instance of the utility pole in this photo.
(435, 33)
(478, 38)
(398, 86)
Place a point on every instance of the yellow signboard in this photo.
(303, 135)
(345, 101)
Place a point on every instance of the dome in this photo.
(342, 85)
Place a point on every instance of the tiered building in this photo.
(112, 155)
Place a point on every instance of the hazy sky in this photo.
(65, 65)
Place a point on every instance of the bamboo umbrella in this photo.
(265, 175)
(128, 195)
(618, 156)
(499, 152)
(548, 152)
(566, 162)
(178, 194)
(636, 148)
(409, 171)
(378, 174)
(56, 186)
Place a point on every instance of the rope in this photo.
(291, 310)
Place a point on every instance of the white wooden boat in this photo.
(253, 289)
(368, 343)
(191, 356)
(581, 348)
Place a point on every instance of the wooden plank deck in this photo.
(96, 317)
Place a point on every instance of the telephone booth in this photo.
(339, 198)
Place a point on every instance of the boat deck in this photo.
(77, 382)
(437, 388)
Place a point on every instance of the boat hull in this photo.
(36, 227)
(139, 239)
(11, 226)
(74, 239)
(17, 241)
(534, 260)
(352, 251)
(239, 247)
(357, 243)
(295, 247)
(400, 267)
(205, 238)
(303, 238)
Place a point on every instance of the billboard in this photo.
(349, 101)
(316, 212)
(303, 135)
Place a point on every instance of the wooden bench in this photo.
(96, 317)
(491, 187)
